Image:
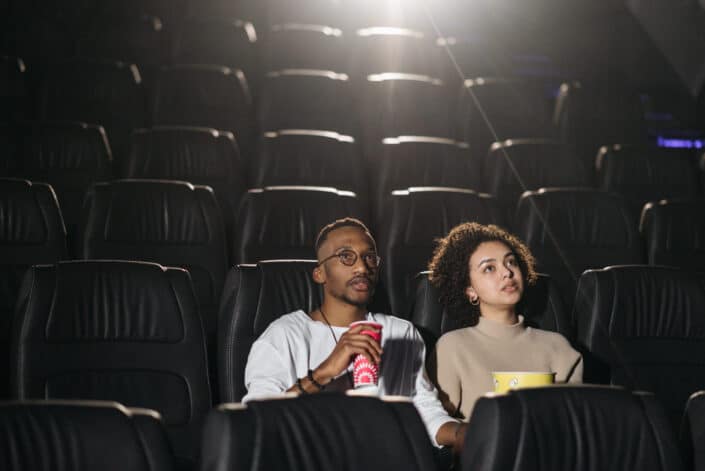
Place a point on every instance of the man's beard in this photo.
(357, 303)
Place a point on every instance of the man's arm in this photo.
(267, 373)
(452, 434)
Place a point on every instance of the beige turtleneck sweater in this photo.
(466, 358)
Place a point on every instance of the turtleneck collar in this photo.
(498, 330)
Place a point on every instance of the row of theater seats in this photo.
(232, 42)
(131, 332)
(303, 37)
(596, 427)
(383, 104)
(175, 223)
(71, 156)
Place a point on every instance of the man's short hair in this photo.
(337, 224)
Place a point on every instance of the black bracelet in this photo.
(315, 383)
(301, 388)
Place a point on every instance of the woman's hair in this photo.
(449, 267)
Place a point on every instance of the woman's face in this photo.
(495, 277)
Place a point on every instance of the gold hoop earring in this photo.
(475, 302)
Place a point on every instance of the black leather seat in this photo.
(31, 232)
(674, 232)
(13, 90)
(643, 174)
(209, 96)
(70, 156)
(412, 221)
(513, 166)
(283, 221)
(308, 99)
(81, 436)
(692, 432)
(308, 433)
(221, 41)
(139, 39)
(310, 157)
(167, 222)
(399, 104)
(201, 156)
(475, 56)
(97, 92)
(514, 108)
(391, 49)
(369, 13)
(541, 307)
(111, 330)
(570, 230)
(415, 161)
(569, 427)
(305, 46)
(589, 116)
(254, 296)
(312, 12)
(642, 327)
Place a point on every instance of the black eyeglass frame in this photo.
(340, 259)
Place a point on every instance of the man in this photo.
(309, 352)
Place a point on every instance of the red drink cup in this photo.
(365, 372)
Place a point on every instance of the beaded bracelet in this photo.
(314, 382)
(301, 388)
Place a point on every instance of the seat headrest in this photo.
(81, 436)
(638, 301)
(596, 427)
(317, 432)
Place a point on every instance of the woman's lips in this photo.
(511, 287)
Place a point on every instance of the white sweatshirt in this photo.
(295, 343)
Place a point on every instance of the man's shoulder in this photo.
(286, 324)
(394, 323)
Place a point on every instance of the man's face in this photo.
(352, 284)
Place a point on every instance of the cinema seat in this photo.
(643, 174)
(570, 230)
(307, 99)
(111, 330)
(82, 436)
(68, 155)
(674, 233)
(692, 432)
(597, 428)
(283, 221)
(202, 156)
(106, 93)
(31, 232)
(413, 219)
(642, 327)
(378, 435)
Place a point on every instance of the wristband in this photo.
(314, 382)
(301, 388)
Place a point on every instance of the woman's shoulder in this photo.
(456, 336)
(549, 338)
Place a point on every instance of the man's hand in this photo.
(452, 434)
(351, 343)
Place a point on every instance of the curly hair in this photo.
(449, 267)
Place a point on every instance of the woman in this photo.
(481, 272)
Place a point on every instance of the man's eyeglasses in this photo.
(348, 258)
